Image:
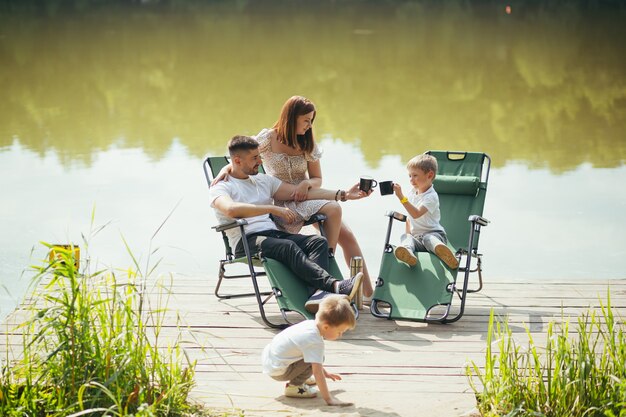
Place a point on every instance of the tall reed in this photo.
(576, 376)
(92, 347)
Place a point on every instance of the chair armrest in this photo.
(316, 218)
(397, 216)
(230, 225)
(478, 219)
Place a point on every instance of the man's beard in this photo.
(252, 171)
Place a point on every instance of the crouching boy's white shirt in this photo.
(300, 341)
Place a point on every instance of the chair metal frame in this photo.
(250, 258)
(471, 251)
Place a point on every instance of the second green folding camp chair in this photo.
(426, 292)
(289, 291)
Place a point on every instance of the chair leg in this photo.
(261, 303)
(478, 269)
(462, 293)
(222, 275)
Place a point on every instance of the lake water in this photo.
(110, 111)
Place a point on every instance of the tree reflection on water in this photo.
(543, 85)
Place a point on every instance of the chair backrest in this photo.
(212, 166)
(461, 184)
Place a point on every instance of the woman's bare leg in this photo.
(337, 232)
(332, 224)
(351, 248)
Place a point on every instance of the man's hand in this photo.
(302, 189)
(285, 213)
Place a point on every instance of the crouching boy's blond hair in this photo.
(336, 310)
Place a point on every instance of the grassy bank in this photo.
(574, 376)
(92, 345)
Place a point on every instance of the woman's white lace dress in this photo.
(291, 169)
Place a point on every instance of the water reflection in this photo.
(542, 87)
(542, 227)
(114, 108)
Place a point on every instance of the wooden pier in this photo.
(389, 368)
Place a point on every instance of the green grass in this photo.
(93, 346)
(582, 375)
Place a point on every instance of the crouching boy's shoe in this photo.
(445, 254)
(405, 255)
(300, 391)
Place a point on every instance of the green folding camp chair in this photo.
(426, 291)
(289, 291)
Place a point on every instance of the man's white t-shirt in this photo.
(300, 341)
(256, 189)
(429, 221)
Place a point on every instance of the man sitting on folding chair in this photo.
(250, 195)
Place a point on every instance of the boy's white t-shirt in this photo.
(429, 221)
(256, 189)
(300, 341)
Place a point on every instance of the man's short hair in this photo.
(240, 143)
(336, 310)
(423, 162)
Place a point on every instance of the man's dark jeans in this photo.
(305, 255)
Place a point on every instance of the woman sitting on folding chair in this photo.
(290, 153)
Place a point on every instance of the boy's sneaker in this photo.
(300, 391)
(313, 303)
(405, 255)
(350, 286)
(445, 254)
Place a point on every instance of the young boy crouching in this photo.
(297, 353)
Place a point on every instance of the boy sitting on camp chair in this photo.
(250, 195)
(418, 278)
(424, 230)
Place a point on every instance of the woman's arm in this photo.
(314, 181)
(315, 174)
(223, 174)
(286, 192)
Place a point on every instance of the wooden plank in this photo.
(389, 368)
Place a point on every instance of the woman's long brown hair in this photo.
(286, 124)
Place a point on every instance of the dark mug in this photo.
(386, 187)
(367, 183)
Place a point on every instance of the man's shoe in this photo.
(313, 303)
(405, 255)
(300, 391)
(445, 254)
(350, 286)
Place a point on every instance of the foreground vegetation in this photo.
(93, 347)
(576, 376)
